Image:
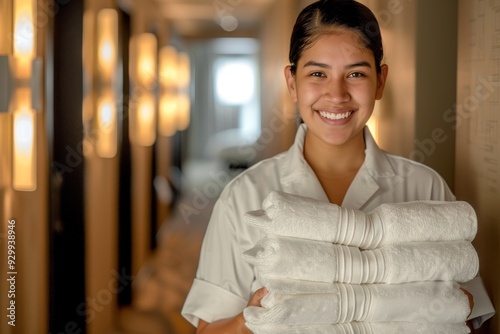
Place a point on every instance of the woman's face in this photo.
(335, 86)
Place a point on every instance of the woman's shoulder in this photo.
(384, 164)
(419, 178)
(408, 168)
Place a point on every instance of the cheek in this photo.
(307, 94)
(365, 94)
(306, 97)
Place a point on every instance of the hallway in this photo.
(160, 288)
(121, 121)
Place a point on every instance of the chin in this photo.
(340, 138)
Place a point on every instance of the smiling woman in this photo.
(336, 90)
(335, 77)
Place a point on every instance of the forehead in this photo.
(338, 45)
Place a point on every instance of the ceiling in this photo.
(199, 18)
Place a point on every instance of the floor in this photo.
(162, 285)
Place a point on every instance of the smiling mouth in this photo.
(335, 116)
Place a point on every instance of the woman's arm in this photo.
(471, 303)
(235, 325)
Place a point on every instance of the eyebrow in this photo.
(323, 65)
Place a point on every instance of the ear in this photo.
(291, 84)
(381, 80)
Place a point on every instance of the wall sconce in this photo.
(143, 76)
(106, 120)
(175, 104)
(167, 120)
(184, 111)
(20, 85)
(107, 140)
(184, 101)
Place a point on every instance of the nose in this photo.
(336, 91)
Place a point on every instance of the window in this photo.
(234, 81)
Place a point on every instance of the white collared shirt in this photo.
(224, 281)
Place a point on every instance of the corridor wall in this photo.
(478, 133)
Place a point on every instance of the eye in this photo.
(317, 74)
(356, 75)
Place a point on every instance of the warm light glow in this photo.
(107, 138)
(106, 116)
(167, 123)
(143, 59)
(107, 42)
(143, 74)
(169, 71)
(24, 40)
(183, 112)
(3, 34)
(23, 132)
(146, 111)
(168, 66)
(24, 159)
(105, 124)
(143, 121)
(25, 95)
(373, 126)
(184, 75)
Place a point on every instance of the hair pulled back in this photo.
(322, 17)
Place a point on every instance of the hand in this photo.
(235, 325)
(471, 304)
(254, 301)
(471, 298)
(257, 297)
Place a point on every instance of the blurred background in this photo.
(122, 120)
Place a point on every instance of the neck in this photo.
(326, 159)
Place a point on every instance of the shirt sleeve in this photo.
(204, 298)
(440, 190)
(224, 280)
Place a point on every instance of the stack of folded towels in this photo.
(329, 269)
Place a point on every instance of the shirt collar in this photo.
(376, 160)
(297, 170)
(297, 176)
(366, 182)
(295, 165)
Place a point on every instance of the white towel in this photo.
(362, 328)
(428, 302)
(275, 256)
(393, 223)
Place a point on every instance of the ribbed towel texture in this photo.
(392, 223)
(362, 328)
(323, 261)
(344, 303)
(393, 270)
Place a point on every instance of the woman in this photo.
(335, 76)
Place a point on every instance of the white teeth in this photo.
(335, 116)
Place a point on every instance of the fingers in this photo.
(257, 297)
(471, 298)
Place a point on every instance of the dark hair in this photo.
(320, 17)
